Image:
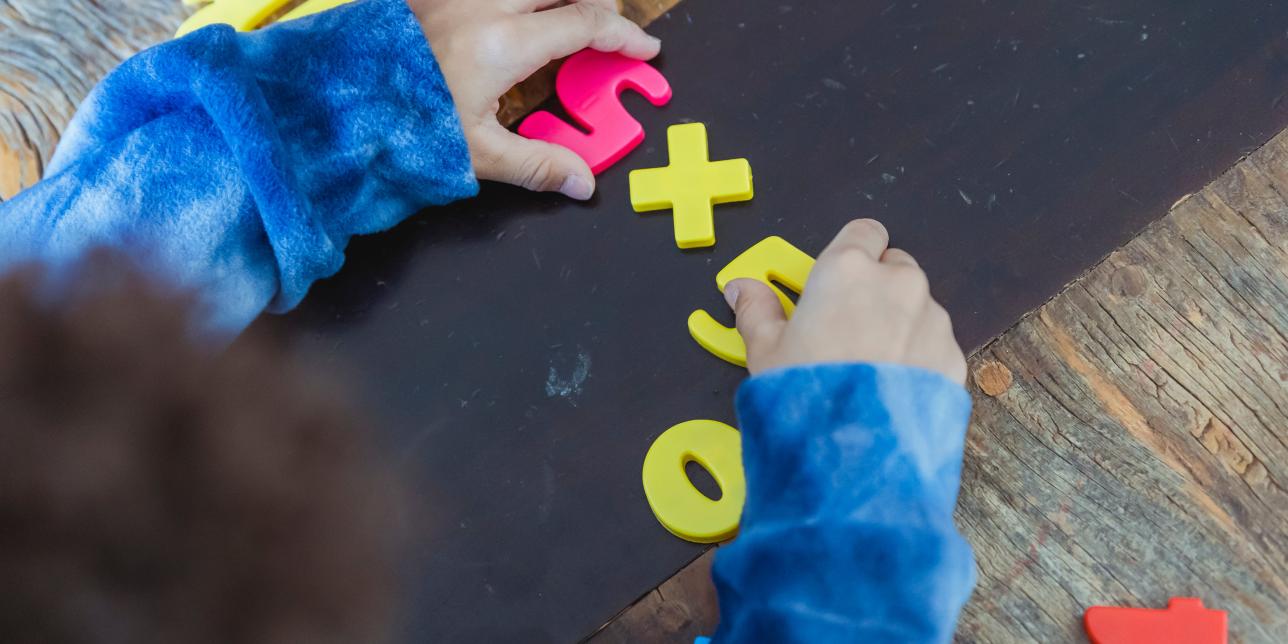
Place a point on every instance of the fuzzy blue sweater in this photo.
(847, 536)
(238, 166)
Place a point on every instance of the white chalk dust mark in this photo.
(569, 388)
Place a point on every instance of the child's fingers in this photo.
(556, 33)
(528, 6)
(535, 165)
(867, 236)
(899, 256)
(610, 5)
(944, 354)
(760, 314)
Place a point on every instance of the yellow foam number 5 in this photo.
(681, 508)
(245, 15)
(771, 260)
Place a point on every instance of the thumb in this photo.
(535, 165)
(760, 315)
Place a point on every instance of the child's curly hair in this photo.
(155, 491)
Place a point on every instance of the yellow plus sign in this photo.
(691, 185)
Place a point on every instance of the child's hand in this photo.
(864, 303)
(485, 47)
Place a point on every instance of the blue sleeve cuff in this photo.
(368, 118)
(355, 134)
(832, 419)
(239, 165)
(852, 476)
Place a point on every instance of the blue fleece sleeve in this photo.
(238, 165)
(847, 536)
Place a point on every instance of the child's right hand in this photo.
(864, 302)
(485, 47)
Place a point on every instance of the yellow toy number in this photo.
(771, 260)
(683, 510)
(245, 15)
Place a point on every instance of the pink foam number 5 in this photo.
(589, 85)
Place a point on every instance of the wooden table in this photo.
(1130, 440)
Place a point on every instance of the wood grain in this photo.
(1130, 438)
(677, 611)
(51, 55)
(1142, 451)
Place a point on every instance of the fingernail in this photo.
(731, 294)
(575, 187)
(657, 41)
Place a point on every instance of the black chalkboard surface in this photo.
(522, 352)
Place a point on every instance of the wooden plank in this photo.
(679, 610)
(53, 54)
(1130, 438)
(1142, 450)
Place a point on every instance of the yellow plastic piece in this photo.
(723, 342)
(771, 260)
(683, 510)
(245, 15)
(691, 185)
(313, 6)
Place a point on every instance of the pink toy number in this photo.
(589, 86)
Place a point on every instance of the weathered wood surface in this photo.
(677, 611)
(1130, 439)
(51, 54)
(1141, 450)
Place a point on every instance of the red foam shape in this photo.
(589, 85)
(1184, 621)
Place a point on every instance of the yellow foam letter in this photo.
(245, 15)
(681, 508)
(771, 260)
(313, 6)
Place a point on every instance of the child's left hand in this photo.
(485, 47)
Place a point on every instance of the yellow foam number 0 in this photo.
(245, 15)
(771, 259)
(681, 508)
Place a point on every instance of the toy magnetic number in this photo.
(681, 508)
(589, 85)
(771, 260)
(245, 15)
